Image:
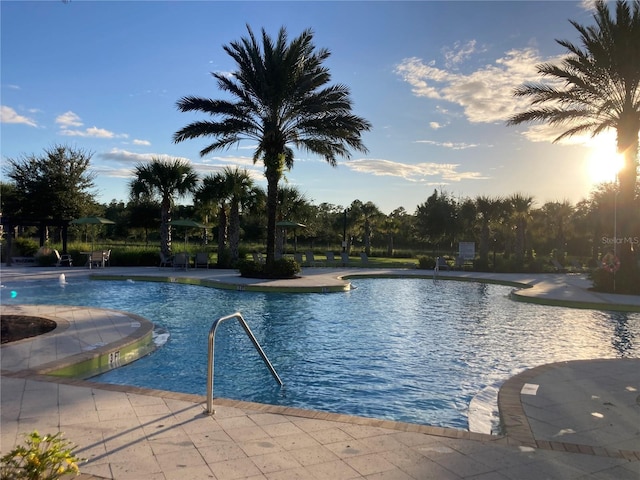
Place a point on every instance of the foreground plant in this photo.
(47, 457)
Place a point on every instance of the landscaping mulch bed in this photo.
(18, 327)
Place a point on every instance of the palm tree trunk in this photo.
(165, 228)
(272, 206)
(628, 276)
(222, 235)
(234, 231)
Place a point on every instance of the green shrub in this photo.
(24, 247)
(427, 263)
(282, 268)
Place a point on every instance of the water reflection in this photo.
(623, 338)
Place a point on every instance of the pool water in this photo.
(409, 349)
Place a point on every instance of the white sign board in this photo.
(467, 250)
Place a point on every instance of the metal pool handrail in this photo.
(212, 334)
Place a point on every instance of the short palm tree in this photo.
(213, 193)
(521, 208)
(487, 211)
(240, 186)
(165, 179)
(596, 88)
(281, 101)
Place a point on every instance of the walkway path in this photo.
(583, 422)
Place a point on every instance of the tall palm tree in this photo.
(596, 88)
(165, 179)
(282, 100)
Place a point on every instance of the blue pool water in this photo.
(402, 349)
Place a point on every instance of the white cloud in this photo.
(486, 95)
(124, 156)
(435, 125)
(9, 115)
(421, 172)
(69, 119)
(459, 53)
(451, 145)
(141, 142)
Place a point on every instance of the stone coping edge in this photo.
(228, 286)
(515, 424)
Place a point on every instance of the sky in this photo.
(435, 80)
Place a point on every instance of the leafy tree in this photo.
(213, 194)
(143, 215)
(557, 217)
(282, 100)
(165, 180)
(436, 219)
(596, 88)
(55, 185)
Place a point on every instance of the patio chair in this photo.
(181, 260)
(344, 257)
(298, 258)
(331, 259)
(441, 264)
(165, 261)
(202, 260)
(311, 260)
(63, 259)
(258, 257)
(364, 258)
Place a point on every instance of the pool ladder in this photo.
(212, 335)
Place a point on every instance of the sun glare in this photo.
(603, 162)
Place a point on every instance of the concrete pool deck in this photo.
(572, 420)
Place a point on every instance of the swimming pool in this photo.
(409, 349)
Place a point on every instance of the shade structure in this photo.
(289, 224)
(92, 221)
(187, 223)
(285, 224)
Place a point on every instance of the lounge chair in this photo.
(331, 259)
(441, 264)
(344, 257)
(298, 258)
(165, 261)
(364, 258)
(558, 266)
(202, 260)
(258, 257)
(311, 261)
(181, 260)
(63, 259)
(107, 258)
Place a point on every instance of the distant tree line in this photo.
(511, 233)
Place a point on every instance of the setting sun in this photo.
(603, 162)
